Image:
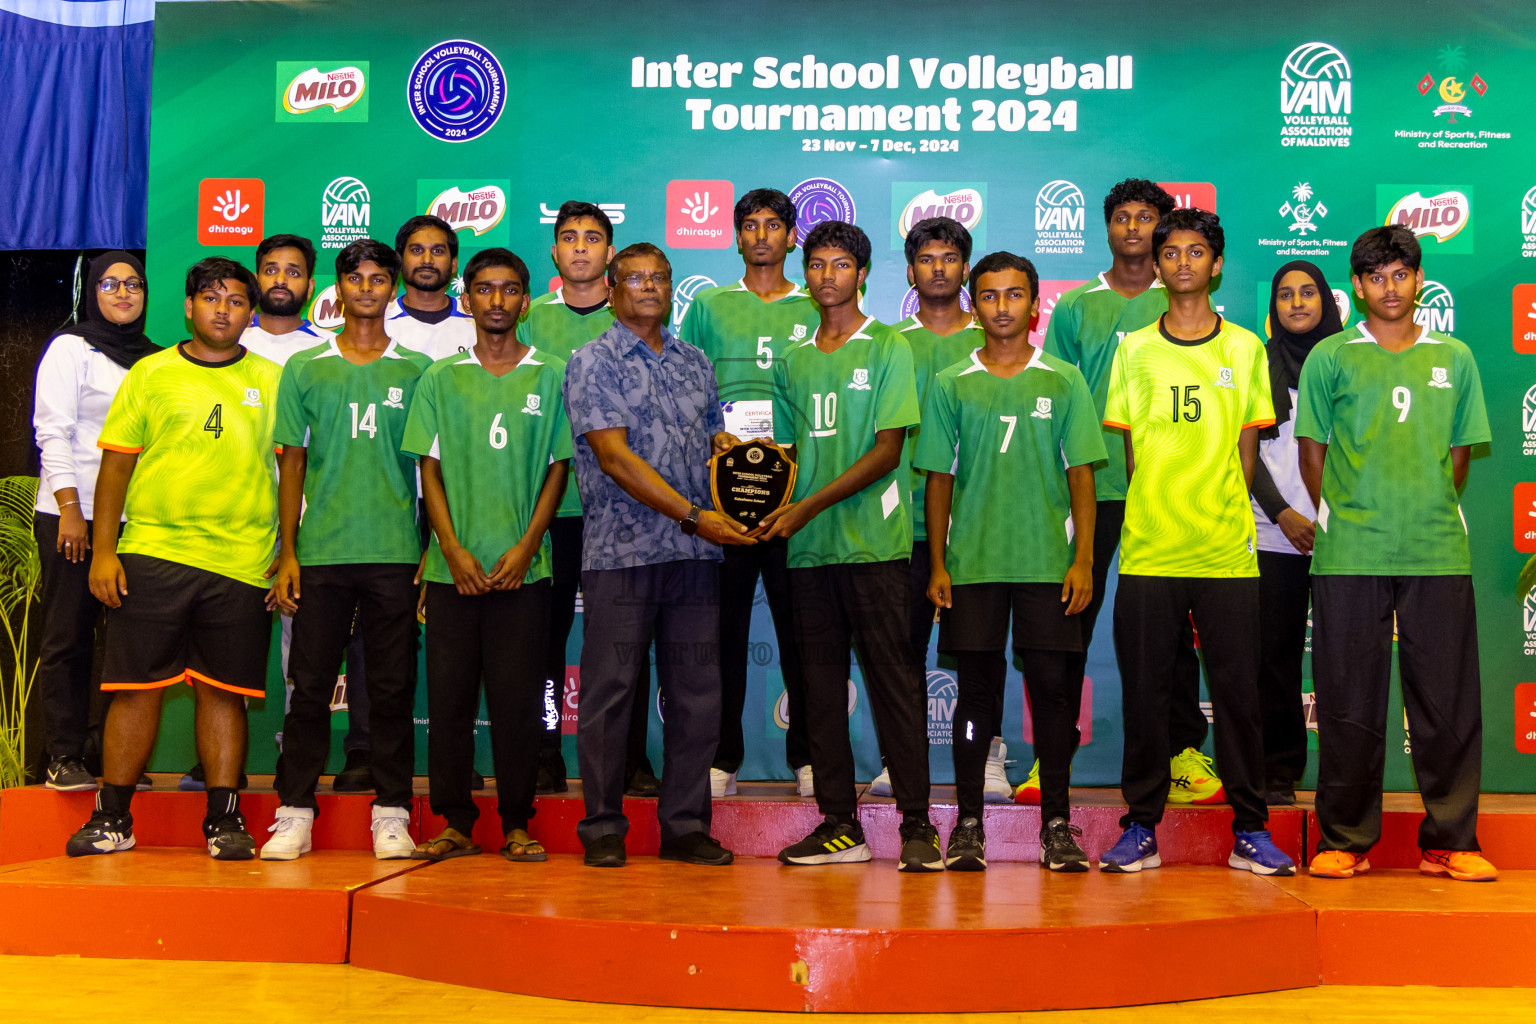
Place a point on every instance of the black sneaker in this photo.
(967, 850)
(1059, 850)
(356, 776)
(920, 847)
(1279, 793)
(195, 781)
(642, 784)
(696, 848)
(605, 852)
(551, 777)
(228, 839)
(104, 833)
(830, 843)
(68, 775)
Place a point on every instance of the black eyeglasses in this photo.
(133, 285)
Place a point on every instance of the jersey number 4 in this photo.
(1189, 403)
(216, 421)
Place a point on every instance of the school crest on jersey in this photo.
(798, 334)
(252, 398)
(1224, 377)
(860, 380)
(1042, 409)
(532, 406)
(1439, 377)
(396, 399)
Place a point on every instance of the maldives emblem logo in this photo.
(860, 380)
(1303, 215)
(311, 91)
(1451, 89)
(456, 90)
(396, 399)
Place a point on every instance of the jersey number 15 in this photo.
(1189, 403)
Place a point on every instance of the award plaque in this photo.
(750, 480)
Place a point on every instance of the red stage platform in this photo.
(762, 936)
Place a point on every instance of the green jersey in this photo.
(1185, 403)
(553, 329)
(1007, 441)
(204, 491)
(743, 336)
(1086, 328)
(931, 353)
(829, 406)
(1390, 420)
(359, 488)
(496, 438)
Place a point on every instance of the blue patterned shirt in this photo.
(670, 406)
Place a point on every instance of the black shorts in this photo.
(979, 619)
(183, 624)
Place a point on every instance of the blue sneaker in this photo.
(1136, 849)
(1257, 852)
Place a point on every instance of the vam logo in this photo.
(1059, 219)
(322, 92)
(345, 211)
(1528, 420)
(1316, 97)
(1437, 308)
(481, 208)
(942, 693)
(1528, 223)
(682, 296)
(1528, 606)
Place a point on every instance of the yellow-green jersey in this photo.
(1185, 403)
(359, 489)
(204, 491)
(1008, 442)
(830, 405)
(743, 336)
(931, 353)
(556, 330)
(1085, 329)
(1390, 420)
(496, 438)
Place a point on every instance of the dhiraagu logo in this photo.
(322, 90)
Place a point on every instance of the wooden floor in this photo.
(150, 992)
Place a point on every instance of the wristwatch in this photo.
(689, 524)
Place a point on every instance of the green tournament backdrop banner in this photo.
(1300, 124)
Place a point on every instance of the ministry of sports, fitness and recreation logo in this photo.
(531, 406)
(820, 199)
(860, 380)
(1059, 219)
(1302, 213)
(1316, 97)
(456, 90)
(1042, 409)
(1438, 213)
(615, 212)
(1451, 63)
(909, 302)
(480, 206)
(345, 211)
(1437, 308)
(682, 296)
(942, 694)
(912, 201)
(328, 91)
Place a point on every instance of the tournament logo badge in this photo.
(1437, 377)
(860, 380)
(531, 406)
(456, 90)
(912, 201)
(821, 199)
(1438, 213)
(480, 208)
(1528, 224)
(682, 296)
(345, 211)
(909, 302)
(1059, 219)
(307, 91)
(943, 692)
(1451, 90)
(1316, 97)
(1042, 409)
(1437, 308)
(396, 399)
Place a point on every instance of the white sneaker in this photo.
(721, 783)
(805, 782)
(392, 833)
(290, 839)
(882, 784)
(996, 789)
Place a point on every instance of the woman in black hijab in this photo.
(1302, 312)
(80, 372)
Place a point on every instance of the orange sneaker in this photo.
(1462, 865)
(1338, 864)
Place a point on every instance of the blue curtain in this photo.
(75, 77)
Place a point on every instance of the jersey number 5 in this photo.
(1190, 404)
(216, 421)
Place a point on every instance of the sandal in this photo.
(450, 843)
(520, 846)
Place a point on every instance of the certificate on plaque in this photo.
(750, 480)
(752, 417)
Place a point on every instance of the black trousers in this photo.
(738, 593)
(922, 618)
(1055, 697)
(469, 640)
(1442, 695)
(67, 641)
(1187, 725)
(1285, 590)
(679, 604)
(565, 535)
(865, 605)
(1151, 613)
(382, 600)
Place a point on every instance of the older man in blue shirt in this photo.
(645, 412)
